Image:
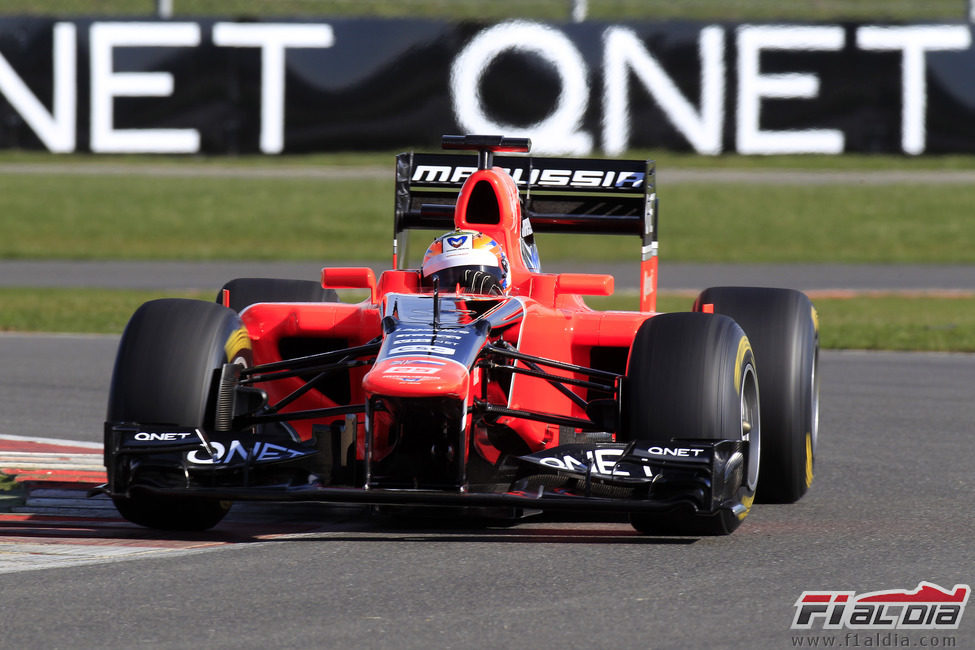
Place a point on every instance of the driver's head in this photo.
(467, 258)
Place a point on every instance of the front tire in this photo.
(782, 326)
(693, 375)
(164, 375)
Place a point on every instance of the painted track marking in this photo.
(47, 519)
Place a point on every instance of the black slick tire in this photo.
(692, 375)
(782, 326)
(164, 374)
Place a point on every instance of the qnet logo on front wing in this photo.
(928, 607)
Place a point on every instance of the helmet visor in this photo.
(449, 278)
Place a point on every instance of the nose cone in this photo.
(417, 377)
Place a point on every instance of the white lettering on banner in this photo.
(106, 85)
(273, 40)
(560, 132)
(753, 86)
(914, 41)
(57, 128)
(625, 52)
(626, 56)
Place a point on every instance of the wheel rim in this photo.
(751, 425)
(814, 400)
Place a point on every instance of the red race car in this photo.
(475, 381)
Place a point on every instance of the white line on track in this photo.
(95, 446)
(20, 557)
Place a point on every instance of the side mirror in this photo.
(350, 277)
(585, 284)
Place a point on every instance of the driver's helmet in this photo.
(463, 256)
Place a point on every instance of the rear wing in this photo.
(559, 195)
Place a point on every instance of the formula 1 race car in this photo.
(475, 383)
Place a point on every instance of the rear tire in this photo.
(167, 360)
(782, 326)
(248, 291)
(693, 375)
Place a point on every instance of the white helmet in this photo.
(454, 258)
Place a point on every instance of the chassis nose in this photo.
(418, 377)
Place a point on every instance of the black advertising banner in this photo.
(224, 86)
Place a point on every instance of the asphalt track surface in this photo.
(890, 507)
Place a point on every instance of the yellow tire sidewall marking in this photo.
(238, 340)
(743, 347)
(809, 460)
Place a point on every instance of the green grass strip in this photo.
(144, 217)
(89, 311)
(884, 322)
(868, 322)
(64, 216)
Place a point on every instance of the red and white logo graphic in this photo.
(929, 607)
(411, 370)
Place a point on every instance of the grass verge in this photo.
(84, 311)
(298, 218)
(875, 322)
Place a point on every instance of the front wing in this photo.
(695, 478)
